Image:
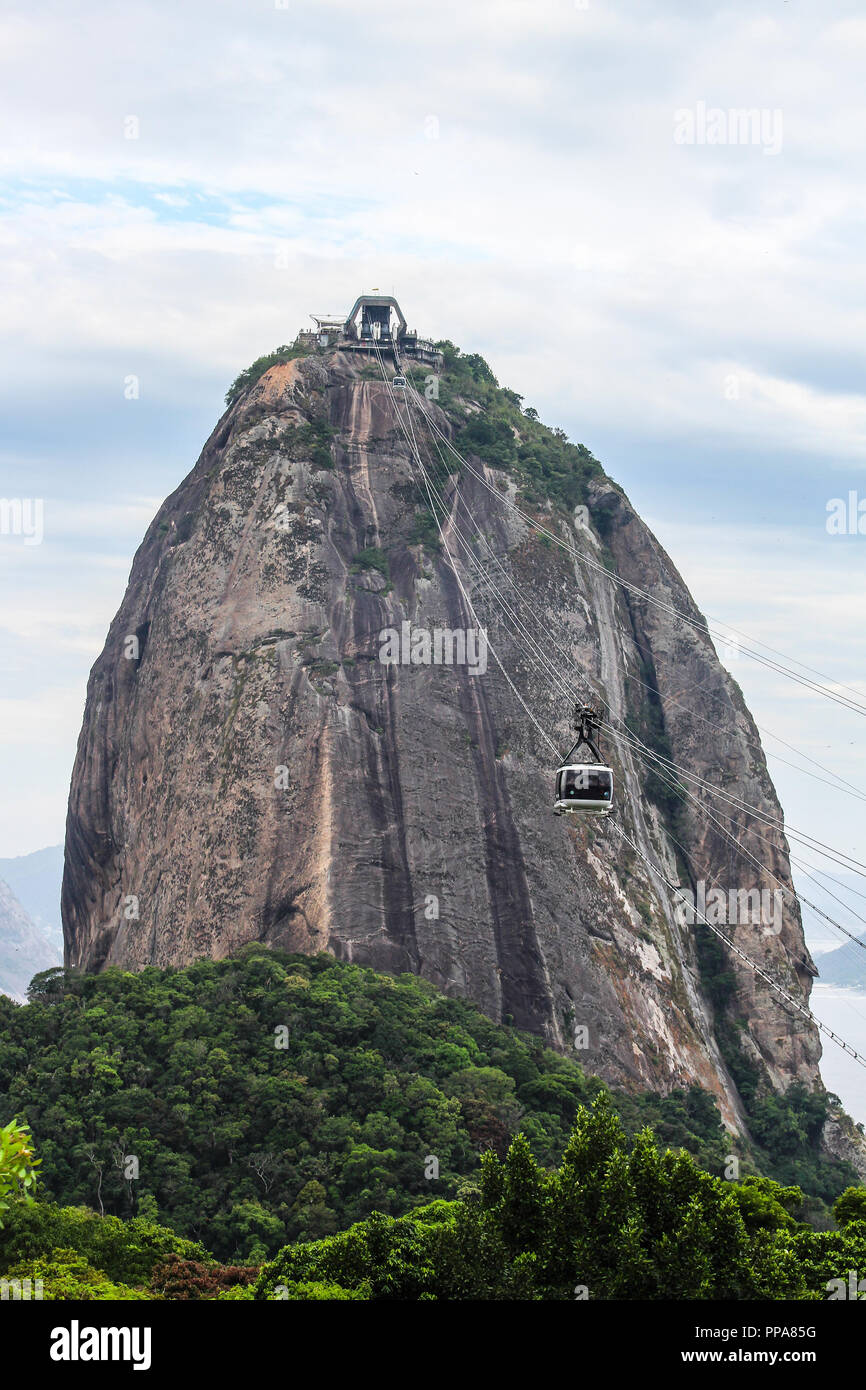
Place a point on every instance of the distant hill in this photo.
(35, 880)
(844, 966)
(25, 947)
(840, 896)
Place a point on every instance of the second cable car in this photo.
(581, 787)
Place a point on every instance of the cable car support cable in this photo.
(774, 986)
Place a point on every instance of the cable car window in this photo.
(588, 784)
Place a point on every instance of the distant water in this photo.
(843, 1010)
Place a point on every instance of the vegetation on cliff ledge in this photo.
(491, 424)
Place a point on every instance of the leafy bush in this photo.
(372, 558)
(425, 532)
(125, 1251)
(615, 1221)
(318, 1290)
(315, 438)
(181, 1279)
(490, 424)
(765, 1205)
(65, 1274)
(851, 1206)
(827, 1255)
(17, 1164)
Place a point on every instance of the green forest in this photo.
(282, 1126)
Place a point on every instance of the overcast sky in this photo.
(561, 187)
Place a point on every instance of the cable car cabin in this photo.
(584, 788)
(399, 382)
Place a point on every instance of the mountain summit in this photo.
(274, 747)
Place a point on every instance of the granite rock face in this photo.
(249, 768)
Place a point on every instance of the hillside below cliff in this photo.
(250, 768)
(246, 1146)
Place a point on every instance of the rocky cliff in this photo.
(250, 768)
